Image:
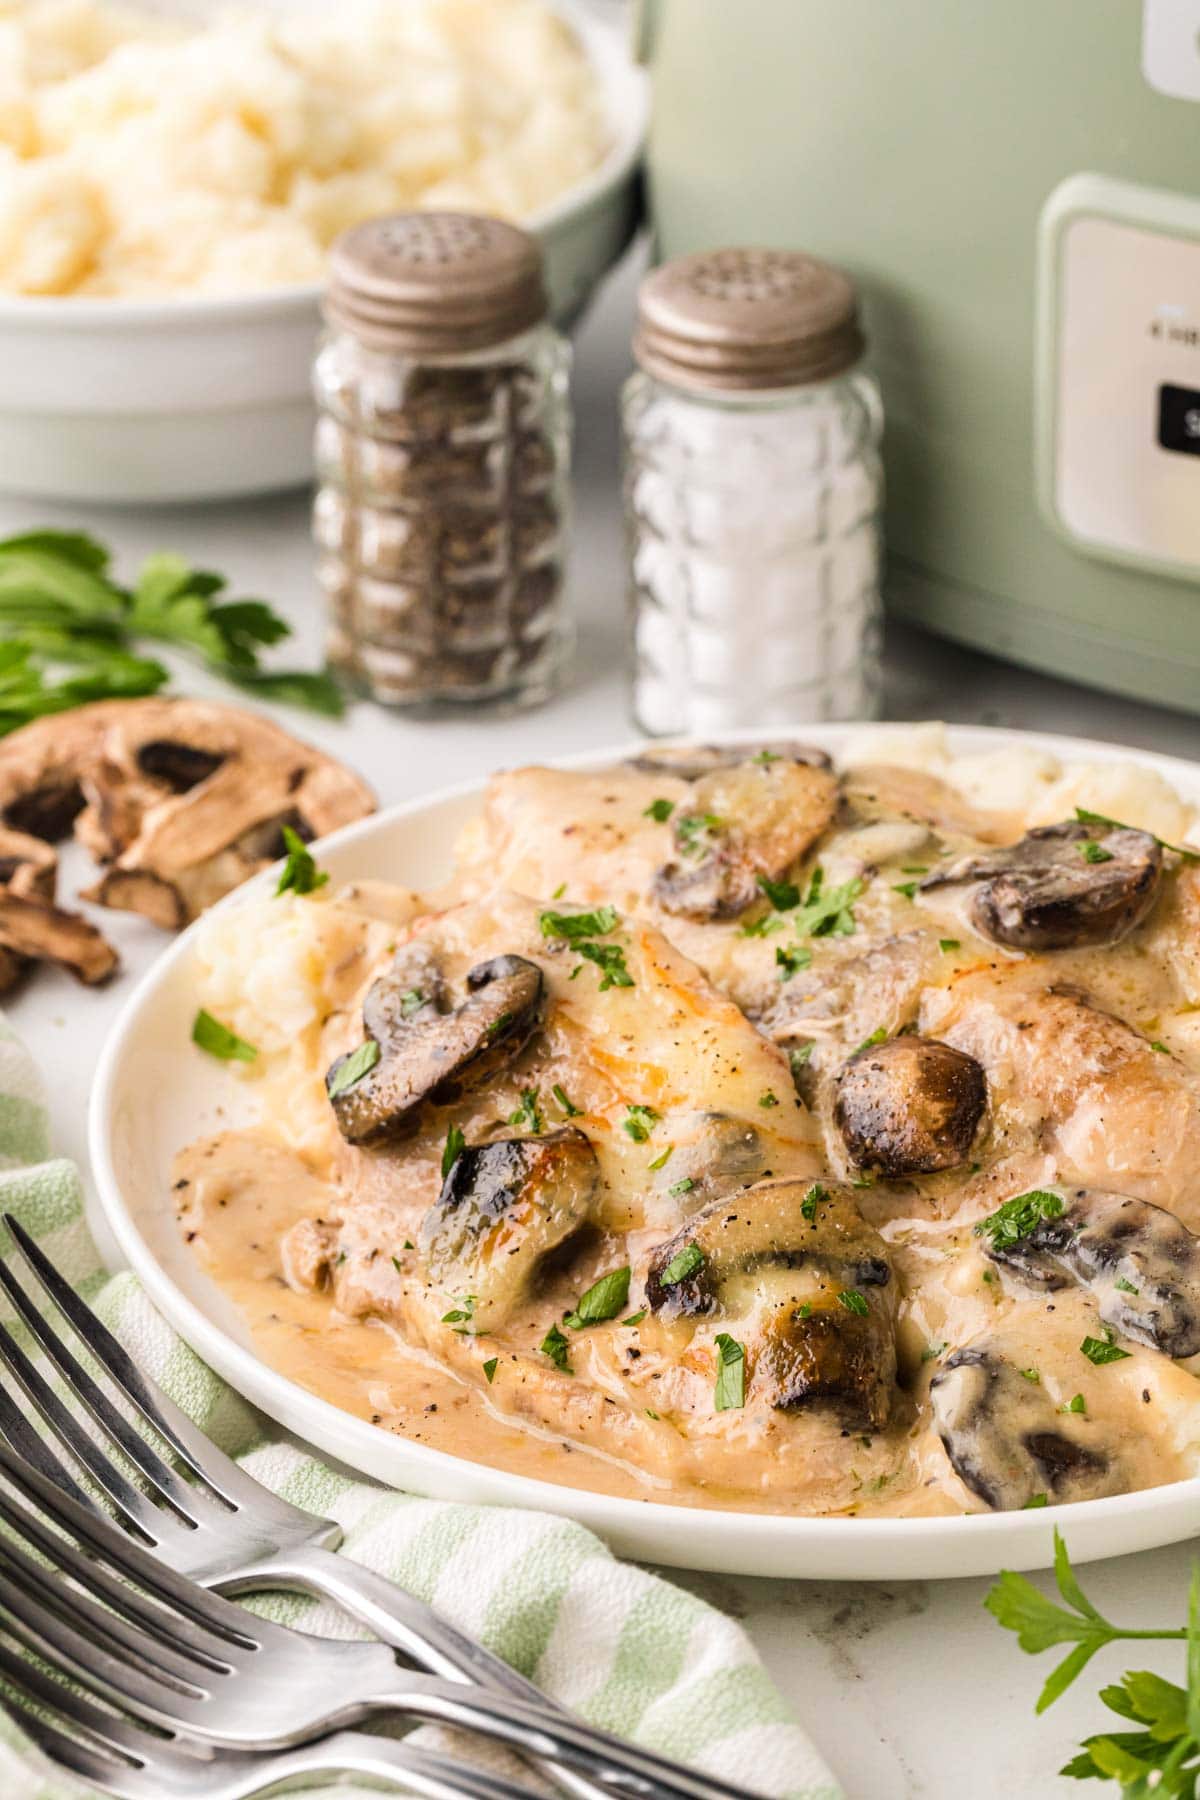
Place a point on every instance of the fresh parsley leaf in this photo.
(1126, 1287)
(411, 1002)
(1103, 1350)
(907, 888)
(456, 1143)
(1034, 1501)
(729, 1391)
(572, 927)
(559, 891)
(764, 757)
(659, 810)
(783, 895)
(558, 1349)
(635, 1318)
(529, 1113)
(791, 958)
(878, 1036)
(801, 1055)
(639, 1122)
(352, 1068)
(683, 1186)
(219, 1041)
(569, 1109)
(610, 960)
(1094, 818)
(1092, 852)
(761, 928)
(931, 1352)
(300, 873)
(948, 944)
(1018, 1217)
(854, 1302)
(1157, 1044)
(603, 1300)
(684, 1263)
(662, 1159)
(811, 1201)
(768, 1099)
(694, 832)
(461, 1313)
(1076, 1404)
(1031, 1374)
(490, 1367)
(828, 914)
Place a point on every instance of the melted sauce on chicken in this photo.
(675, 1098)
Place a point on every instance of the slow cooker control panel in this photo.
(1118, 372)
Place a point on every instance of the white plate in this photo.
(205, 398)
(153, 1094)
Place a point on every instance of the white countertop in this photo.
(910, 1689)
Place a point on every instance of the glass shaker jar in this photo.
(442, 449)
(753, 489)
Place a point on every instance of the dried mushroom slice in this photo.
(690, 762)
(32, 930)
(797, 1259)
(504, 1208)
(1008, 1442)
(189, 799)
(1139, 1262)
(910, 1106)
(1061, 886)
(425, 1051)
(742, 822)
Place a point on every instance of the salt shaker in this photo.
(442, 450)
(753, 491)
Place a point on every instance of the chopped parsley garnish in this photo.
(907, 888)
(683, 1186)
(397, 1264)
(1033, 1502)
(1094, 818)
(219, 1041)
(931, 1352)
(914, 868)
(610, 960)
(948, 944)
(730, 1389)
(574, 926)
(499, 1025)
(300, 873)
(490, 1367)
(792, 957)
(1031, 1374)
(828, 914)
(878, 1036)
(411, 1002)
(804, 1311)
(661, 1161)
(783, 895)
(1018, 1217)
(529, 1113)
(761, 928)
(811, 1201)
(1157, 1044)
(462, 1312)
(650, 1414)
(635, 1318)
(352, 1068)
(685, 1262)
(763, 757)
(659, 810)
(569, 1109)
(1076, 1404)
(1092, 852)
(854, 1302)
(558, 1349)
(693, 832)
(1103, 1350)
(456, 1143)
(639, 1122)
(603, 1300)
(559, 891)
(768, 1099)
(801, 1055)
(1126, 1287)
(408, 1244)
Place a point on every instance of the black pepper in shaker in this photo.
(442, 448)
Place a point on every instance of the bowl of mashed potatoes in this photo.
(172, 176)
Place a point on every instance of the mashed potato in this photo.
(141, 157)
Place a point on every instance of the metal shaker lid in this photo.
(435, 283)
(741, 319)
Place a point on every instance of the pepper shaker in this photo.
(442, 451)
(753, 492)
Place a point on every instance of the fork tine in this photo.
(27, 1444)
(140, 1512)
(67, 1752)
(131, 1444)
(113, 1731)
(218, 1472)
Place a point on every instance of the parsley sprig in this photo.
(579, 929)
(1162, 1757)
(1094, 818)
(1018, 1216)
(70, 633)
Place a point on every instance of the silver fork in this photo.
(171, 1654)
(124, 1760)
(222, 1528)
(166, 1529)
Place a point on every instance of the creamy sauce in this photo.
(1090, 1058)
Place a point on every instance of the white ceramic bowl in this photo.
(206, 399)
(138, 1121)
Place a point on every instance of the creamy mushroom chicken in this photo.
(739, 1132)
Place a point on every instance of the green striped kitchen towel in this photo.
(624, 1648)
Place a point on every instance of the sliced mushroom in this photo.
(1050, 891)
(1140, 1262)
(188, 799)
(798, 1259)
(1006, 1440)
(910, 1106)
(504, 1208)
(845, 1004)
(711, 1154)
(32, 930)
(692, 761)
(28, 865)
(427, 1053)
(742, 822)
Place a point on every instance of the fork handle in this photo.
(410, 1626)
(397, 1762)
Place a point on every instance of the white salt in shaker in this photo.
(753, 490)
